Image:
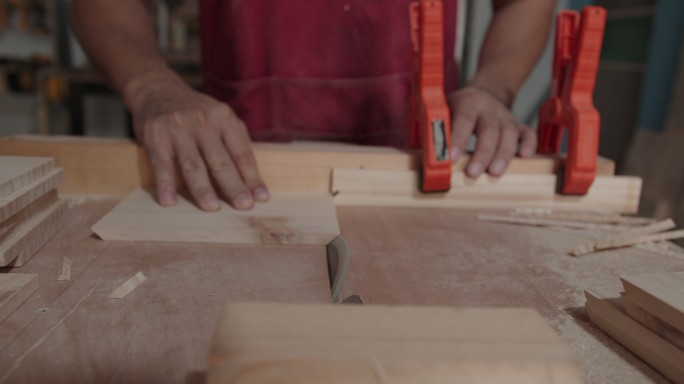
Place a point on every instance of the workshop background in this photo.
(46, 86)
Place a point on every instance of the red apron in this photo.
(316, 69)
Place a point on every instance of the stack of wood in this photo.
(647, 318)
(30, 209)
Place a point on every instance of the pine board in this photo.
(292, 218)
(32, 234)
(299, 343)
(16, 171)
(22, 197)
(362, 187)
(15, 288)
(606, 312)
(661, 294)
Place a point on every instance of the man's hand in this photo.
(476, 110)
(204, 137)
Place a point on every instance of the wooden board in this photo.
(648, 320)
(16, 172)
(15, 288)
(22, 197)
(289, 218)
(32, 234)
(661, 294)
(606, 312)
(15, 221)
(362, 187)
(117, 167)
(297, 343)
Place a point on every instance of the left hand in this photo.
(476, 110)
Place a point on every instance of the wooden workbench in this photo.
(70, 331)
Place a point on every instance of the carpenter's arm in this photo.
(176, 124)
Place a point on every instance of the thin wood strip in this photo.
(22, 197)
(15, 288)
(17, 171)
(582, 217)
(626, 242)
(128, 286)
(358, 187)
(66, 270)
(624, 239)
(540, 222)
(11, 225)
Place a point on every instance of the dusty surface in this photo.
(71, 331)
(448, 257)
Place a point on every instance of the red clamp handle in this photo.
(570, 105)
(430, 123)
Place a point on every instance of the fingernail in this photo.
(498, 167)
(210, 202)
(261, 194)
(475, 169)
(243, 201)
(166, 199)
(455, 153)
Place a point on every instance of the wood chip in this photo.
(66, 270)
(625, 241)
(128, 286)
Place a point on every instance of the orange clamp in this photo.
(570, 105)
(430, 124)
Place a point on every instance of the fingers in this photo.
(528, 145)
(195, 173)
(161, 160)
(462, 128)
(488, 134)
(508, 144)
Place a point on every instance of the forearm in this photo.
(119, 38)
(514, 42)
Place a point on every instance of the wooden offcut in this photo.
(19, 199)
(652, 322)
(605, 310)
(17, 171)
(363, 187)
(661, 294)
(128, 286)
(15, 288)
(306, 344)
(296, 218)
(631, 237)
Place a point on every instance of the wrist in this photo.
(505, 95)
(137, 91)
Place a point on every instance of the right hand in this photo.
(205, 137)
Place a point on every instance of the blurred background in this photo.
(47, 87)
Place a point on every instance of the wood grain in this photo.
(362, 187)
(15, 221)
(289, 218)
(15, 288)
(16, 171)
(661, 294)
(32, 234)
(22, 197)
(297, 343)
(117, 167)
(648, 320)
(606, 312)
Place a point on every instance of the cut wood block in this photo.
(17, 171)
(22, 197)
(116, 167)
(361, 187)
(306, 344)
(15, 288)
(661, 294)
(10, 225)
(648, 320)
(31, 235)
(606, 312)
(289, 218)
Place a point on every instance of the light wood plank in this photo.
(661, 294)
(400, 188)
(292, 343)
(15, 288)
(16, 172)
(648, 320)
(606, 312)
(10, 225)
(117, 167)
(22, 197)
(32, 234)
(289, 218)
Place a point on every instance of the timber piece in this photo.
(299, 343)
(587, 217)
(65, 275)
(606, 312)
(540, 221)
(17, 171)
(620, 242)
(631, 237)
(15, 288)
(360, 187)
(128, 287)
(117, 167)
(22, 197)
(652, 322)
(10, 225)
(32, 234)
(661, 294)
(293, 218)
